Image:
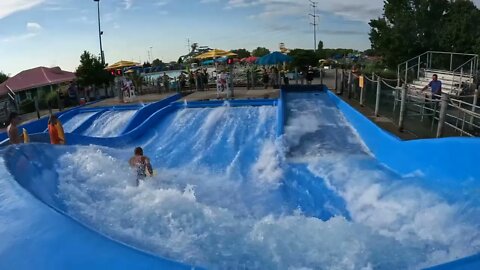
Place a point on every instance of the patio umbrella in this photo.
(251, 59)
(274, 59)
(208, 62)
(215, 54)
(122, 64)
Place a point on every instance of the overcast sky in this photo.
(55, 32)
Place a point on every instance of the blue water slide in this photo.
(33, 179)
(438, 159)
(148, 110)
(52, 239)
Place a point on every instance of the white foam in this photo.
(375, 197)
(171, 217)
(76, 121)
(222, 218)
(110, 124)
(268, 167)
(400, 210)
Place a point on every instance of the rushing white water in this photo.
(220, 200)
(76, 121)
(394, 207)
(109, 124)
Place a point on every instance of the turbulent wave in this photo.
(222, 197)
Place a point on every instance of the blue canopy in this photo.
(274, 58)
(208, 62)
(221, 60)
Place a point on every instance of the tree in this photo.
(302, 58)
(260, 51)
(92, 72)
(320, 46)
(460, 27)
(3, 77)
(158, 63)
(137, 80)
(369, 52)
(407, 28)
(241, 53)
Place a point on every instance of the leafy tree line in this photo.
(3, 77)
(411, 27)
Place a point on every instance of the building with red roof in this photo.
(32, 82)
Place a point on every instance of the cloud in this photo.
(8, 7)
(33, 30)
(34, 27)
(82, 19)
(161, 3)
(128, 3)
(353, 10)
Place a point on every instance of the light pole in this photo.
(100, 32)
(314, 16)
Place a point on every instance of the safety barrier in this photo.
(412, 109)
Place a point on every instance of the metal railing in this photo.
(421, 113)
(461, 67)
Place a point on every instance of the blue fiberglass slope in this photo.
(447, 166)
(40, 178)
(35, 236)
(227, 197)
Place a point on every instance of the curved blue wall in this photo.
(50, 239)
(442, 160)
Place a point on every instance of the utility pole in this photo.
(100, 33)
(151, 54)
(314, 16)
(188, 45)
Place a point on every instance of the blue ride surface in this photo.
(300, 182)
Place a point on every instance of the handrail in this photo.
(469, 61)
(418, 56)
(454, 53)
(462, 65)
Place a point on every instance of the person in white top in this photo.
(221, 83)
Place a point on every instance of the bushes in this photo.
(52, 100)
(27, 106)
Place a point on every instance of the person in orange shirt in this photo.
(55, 130)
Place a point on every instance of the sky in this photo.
(56, 32)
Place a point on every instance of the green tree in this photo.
(260, 51)
(241, 53)
(158, 63)
(320, 46)
(460, 30)
(302, 58)
(137, 80)
(92, 72)
(3, 77)
(407, 28)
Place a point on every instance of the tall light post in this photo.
(314, 16)
(100, 32)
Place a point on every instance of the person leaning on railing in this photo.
(436, 86)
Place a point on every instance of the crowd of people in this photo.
(194, 80)
(202, 79)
